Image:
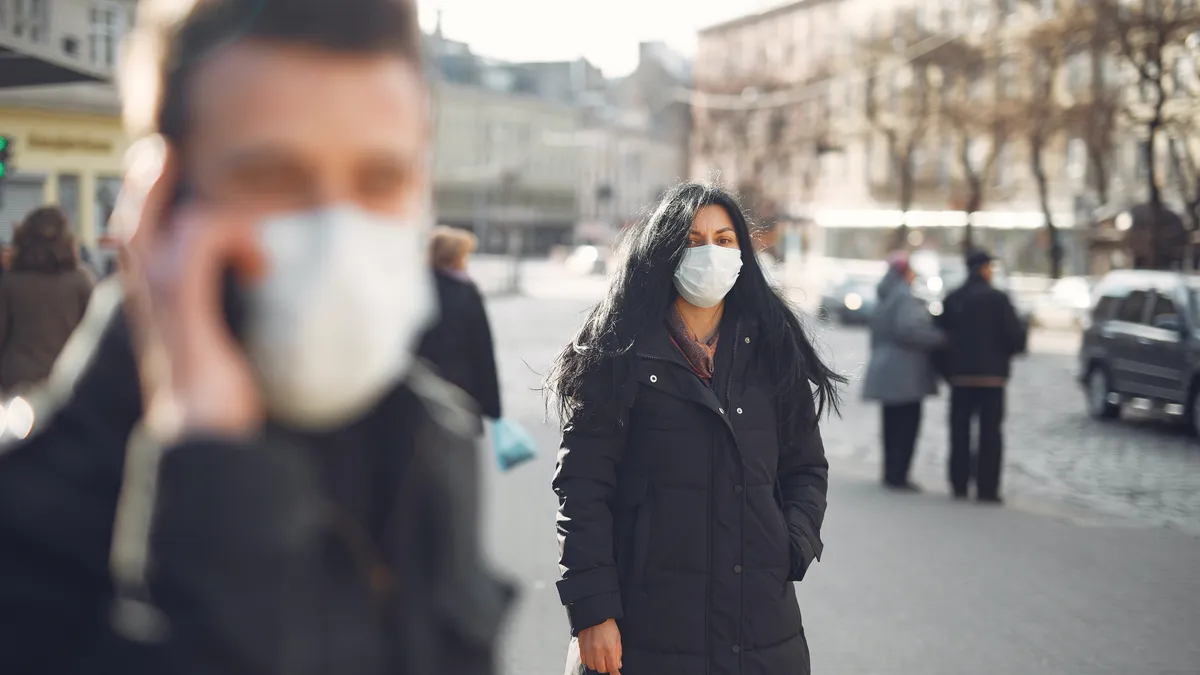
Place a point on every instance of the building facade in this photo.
(850, 118)
(60, 110)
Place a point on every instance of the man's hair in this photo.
(173, 37)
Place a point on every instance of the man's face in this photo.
(276, 128)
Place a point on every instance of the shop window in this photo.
(108, 22)
(68, 198)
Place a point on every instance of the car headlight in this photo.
(935, 308)
(853, 302)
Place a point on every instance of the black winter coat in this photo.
(460, 344)
(687, 518)
(266, 557)
(983, 331)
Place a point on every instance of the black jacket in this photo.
(983, 331)
(686, 518)
(260, 561)
(460, 344)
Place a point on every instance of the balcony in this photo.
(49, 42)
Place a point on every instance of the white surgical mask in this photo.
(332, 327)
(707, 273)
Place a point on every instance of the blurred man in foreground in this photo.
(983, 334)
(288, 490)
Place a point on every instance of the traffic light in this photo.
(5, 148)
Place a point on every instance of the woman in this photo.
(692, 478)
(460, 344)
(901, 372)
(42, 298)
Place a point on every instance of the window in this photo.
(1104, 308)
(31, 18)
(1133, 308)
(107, 22)
(1163, 306)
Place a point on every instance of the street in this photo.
(1091, 568)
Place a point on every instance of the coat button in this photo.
(739, 411)
(722, 410)
(737, 569)
(737, 489)
(747, 340)
(737, 649)
(654, 378)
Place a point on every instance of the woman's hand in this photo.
(600, 648)
(194, 376)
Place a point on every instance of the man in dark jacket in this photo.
(287, 491)
(983, 335)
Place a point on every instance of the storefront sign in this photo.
(70, 144)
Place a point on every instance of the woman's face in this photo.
(712, 227)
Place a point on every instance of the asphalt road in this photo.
(1092, 568)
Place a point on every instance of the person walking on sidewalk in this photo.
(983, 335)
(901, 371)
(691, 477)
(460, 343)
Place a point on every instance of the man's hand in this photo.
(194, 375)
(600, 648)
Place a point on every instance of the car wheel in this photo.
(1196, 410)
(1099, 390)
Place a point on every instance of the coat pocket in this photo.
(635, 510)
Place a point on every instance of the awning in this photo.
(21, 70)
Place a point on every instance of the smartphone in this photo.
(233, 294)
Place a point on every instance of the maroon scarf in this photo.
(701, 356)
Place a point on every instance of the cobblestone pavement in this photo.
(1142, 470)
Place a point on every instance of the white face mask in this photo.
(707, 273)
(333, 326)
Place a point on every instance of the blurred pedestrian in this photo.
(299, 493)
(460, 343)
(983, 335)
(901, 372)
(42, 299)
(692, 478)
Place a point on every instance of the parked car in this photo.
(850, 300)
(1066, 305)
(1143, 344)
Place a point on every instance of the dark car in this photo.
(851, 300)
(1143, 344)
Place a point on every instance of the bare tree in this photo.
(980, 109)
(1185, 168)
(900, 101)
(1149, 36)
(1044, 117)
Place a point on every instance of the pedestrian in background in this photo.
(460, 344)
(240, 466)
(901, 372)
(691, 477)
(42, 298)
(983, 334)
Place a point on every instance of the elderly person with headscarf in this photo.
(901, 372)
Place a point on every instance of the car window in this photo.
(1133, 307)
(1164, 305)
(1104, 308)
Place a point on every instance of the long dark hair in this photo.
(43, 242)
(642, 290)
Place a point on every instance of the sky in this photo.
(606, 32)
